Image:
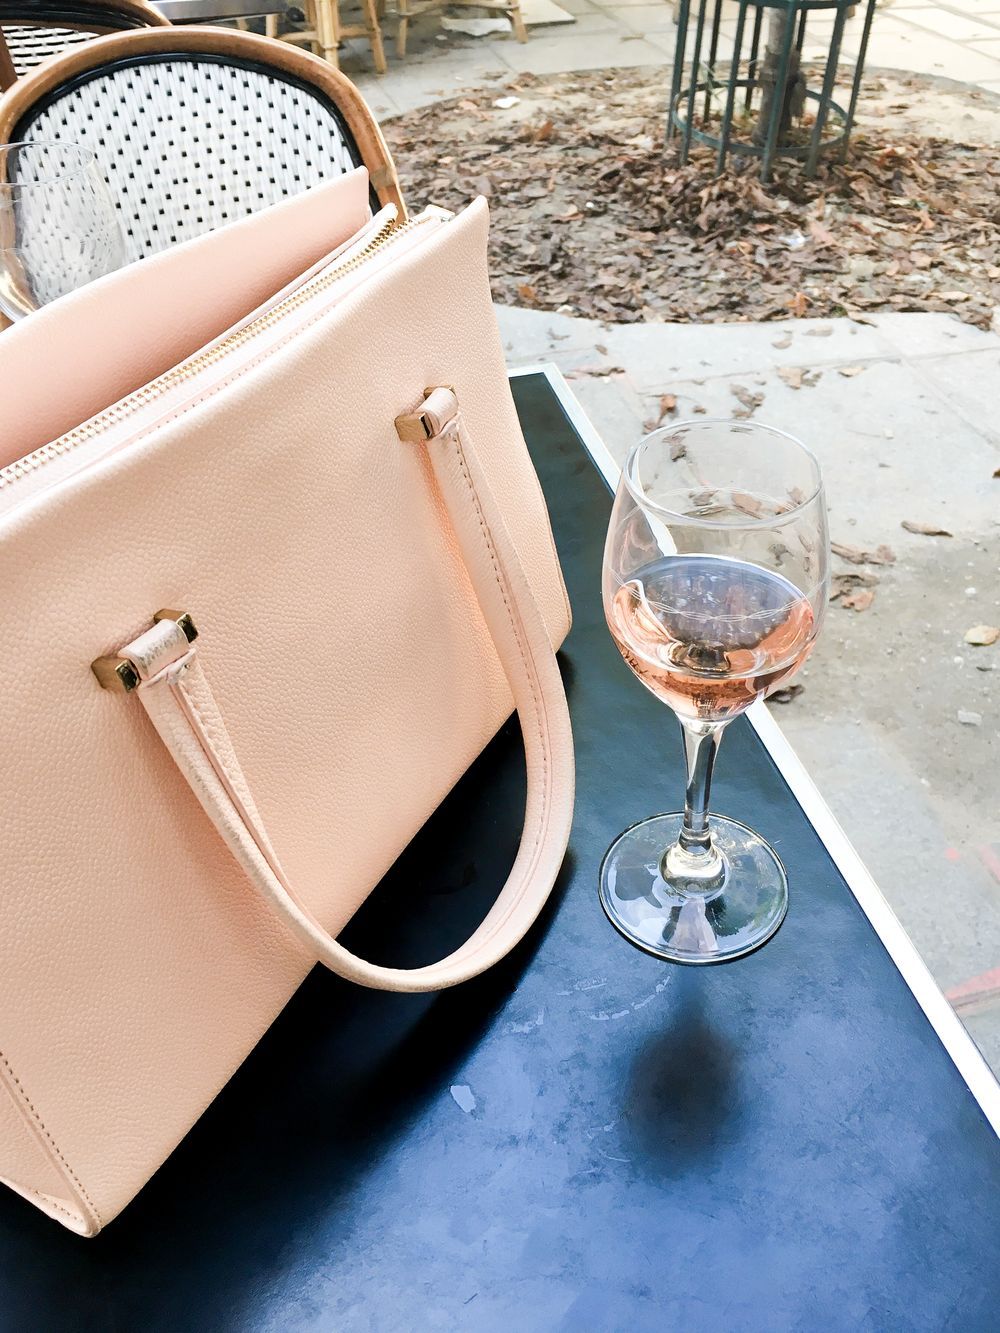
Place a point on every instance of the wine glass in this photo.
(716, 574)
(59, 227)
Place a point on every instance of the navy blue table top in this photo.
(585, 1138)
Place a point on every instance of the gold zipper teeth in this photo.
(188, 369)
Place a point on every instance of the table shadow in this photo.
(262, 1174)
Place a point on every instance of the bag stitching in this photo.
(529, 668)
(212, 390)
(26, 1102)
(45, 1200)
(192, 704)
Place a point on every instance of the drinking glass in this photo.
(716, 574)
(59, 227)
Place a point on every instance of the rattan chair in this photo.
(33, 30)
(325, 30)
(195, 127)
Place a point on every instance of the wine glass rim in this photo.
(87, 157)
(768, 521)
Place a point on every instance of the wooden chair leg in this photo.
(328, 28)
(374, 35)
(403, 10)
(271, 25)
(312, 25)
(520, 31)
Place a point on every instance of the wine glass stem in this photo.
(701, 745)
(694, 864)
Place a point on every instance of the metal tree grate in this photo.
(756, 102)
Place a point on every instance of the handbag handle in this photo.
(163, 668)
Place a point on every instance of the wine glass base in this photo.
(693, 927)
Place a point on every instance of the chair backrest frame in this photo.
(43, 85)
(83, 16)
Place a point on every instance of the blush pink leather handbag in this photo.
(297, 434)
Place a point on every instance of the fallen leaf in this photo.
(798, 304)
(792, 375)
(750, 400)
(841, 584)
(857, 555)
(824, 331)
(668, 405)
(982, 636)
(996, 472)
(599, 347)
(925, 529)
(849, 372)
(599, 372)
(785, 694)
(527, 293)
(782, 342)
(543, 132)
(858, 601)
(748, 504)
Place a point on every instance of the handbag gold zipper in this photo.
(390, 230)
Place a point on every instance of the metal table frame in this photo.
(964, 1052)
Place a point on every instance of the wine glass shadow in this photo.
(684, 1093)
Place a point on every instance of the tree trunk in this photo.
(792, 92)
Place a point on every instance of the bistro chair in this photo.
(33, 30)
(325, 30)
(195, 127)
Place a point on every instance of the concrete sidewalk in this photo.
(959, 40)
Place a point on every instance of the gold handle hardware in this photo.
(120, 673)
(438, 408)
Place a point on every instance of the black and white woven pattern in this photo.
(188, 144)
(28, 47)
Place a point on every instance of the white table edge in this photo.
(964, 1052)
